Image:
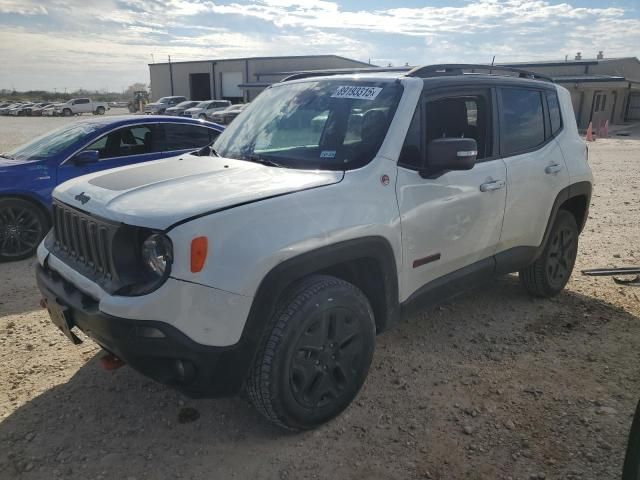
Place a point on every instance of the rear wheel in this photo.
(316, 354)
(549, 274)
(100, 110)
(22, 227)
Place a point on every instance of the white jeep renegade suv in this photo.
(332, 203)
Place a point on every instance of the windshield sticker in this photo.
(358, 93)
(328, 154)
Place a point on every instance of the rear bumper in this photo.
(155, 349)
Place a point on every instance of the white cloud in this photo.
(22, 7)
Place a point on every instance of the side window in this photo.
(554, 112)
(136, 140)
(80, 101)
(460, 117)
(183, 137)
(522, 120)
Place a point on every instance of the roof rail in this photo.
(459, 68)
(343, 71)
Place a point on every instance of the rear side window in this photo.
(183, 137)
(522, 126)
(554, 112)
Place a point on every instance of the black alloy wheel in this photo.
(549, 274)
(22, 228)
(315, 355)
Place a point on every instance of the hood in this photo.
(18, 175)
(155, 104)
(175, 108)
(161, 193)
(194, 110)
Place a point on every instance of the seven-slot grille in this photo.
(84, 239)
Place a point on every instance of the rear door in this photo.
(124, 146)
(536, 172)
(451, 220)
(178, 138)
(82, 105)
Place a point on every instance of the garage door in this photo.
(634, 107)
(230, 82)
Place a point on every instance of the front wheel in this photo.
(315, 355)
(66, 112)
(549, 274)
(202, 116)
(22, 227)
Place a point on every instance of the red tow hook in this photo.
(110, 362)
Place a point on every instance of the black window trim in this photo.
(190, 149)
(475, 89)
(546, 102)
(547, 139)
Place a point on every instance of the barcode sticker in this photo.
(357, 93)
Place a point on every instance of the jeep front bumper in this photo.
(154, 348)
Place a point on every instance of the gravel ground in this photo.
(492, 385)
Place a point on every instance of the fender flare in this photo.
(283, 275)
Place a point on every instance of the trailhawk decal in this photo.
(357, 93)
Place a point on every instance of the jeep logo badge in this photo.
(82, 198)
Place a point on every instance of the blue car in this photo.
(29, 173)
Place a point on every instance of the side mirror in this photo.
(452, 154)
(86, 157)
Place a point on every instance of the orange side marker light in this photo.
(199, 248)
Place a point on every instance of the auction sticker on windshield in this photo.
(357, 93)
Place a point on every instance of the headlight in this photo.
(157, 253)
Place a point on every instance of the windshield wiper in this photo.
(261, 160)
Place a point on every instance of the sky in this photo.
(108, 44)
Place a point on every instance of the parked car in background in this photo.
(161, 105)
(208, 107)
(50, 111)
(37, 111)
(11, 106)
(20, 109)
(4, 104)
(27, 110)
(179, 109)
(29, 173)
(226, 116)
(78, 106)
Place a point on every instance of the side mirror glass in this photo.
(86, 157)
(452, 154)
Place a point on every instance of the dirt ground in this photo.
(493, 385)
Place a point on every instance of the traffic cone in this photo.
(589, 137)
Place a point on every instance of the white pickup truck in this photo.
(76, 106)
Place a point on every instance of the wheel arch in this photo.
(33, 200)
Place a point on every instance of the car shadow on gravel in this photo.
(119, 422)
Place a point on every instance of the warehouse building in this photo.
(601, 88)
(238, 80)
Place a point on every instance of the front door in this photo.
(450, 220)
(124, 146)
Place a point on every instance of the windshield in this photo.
(164, 100)
(51, 143)
(204, 104)
(325, 124)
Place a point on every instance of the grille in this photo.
(85, 240)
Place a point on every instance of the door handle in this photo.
(553, 169)
(492, 186)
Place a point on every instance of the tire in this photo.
(315, 354)
(100, 110)
(66, 112)
(202, 116)
(549, 274)
(23, 225)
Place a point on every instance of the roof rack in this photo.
(445, 69)
(459, 68)
(343, 71)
